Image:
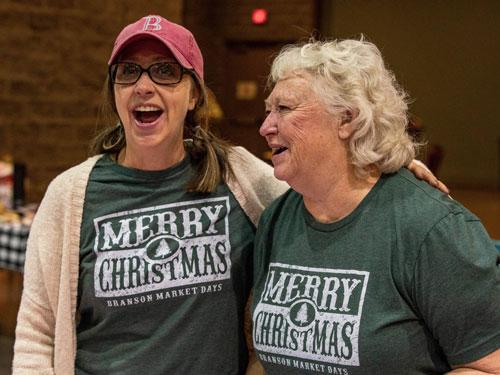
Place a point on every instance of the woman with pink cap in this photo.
(140, 259)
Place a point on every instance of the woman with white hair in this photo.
(360, 268)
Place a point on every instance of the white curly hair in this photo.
(350, 76)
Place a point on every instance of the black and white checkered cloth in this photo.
(13, 238)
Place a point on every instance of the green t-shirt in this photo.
(408, 283)
(164, 275)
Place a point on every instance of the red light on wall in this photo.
(259, 16)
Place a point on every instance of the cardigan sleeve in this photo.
(45, 331)
(254, 184)
(34, 345)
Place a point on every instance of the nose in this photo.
(144, 86)
(269, 126)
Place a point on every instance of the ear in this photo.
(346, 126)
(194, 96)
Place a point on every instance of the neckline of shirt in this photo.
(170, 172)
(336, 225)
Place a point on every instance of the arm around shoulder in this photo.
(254, 185)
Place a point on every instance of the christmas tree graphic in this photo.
(162, 250)
(302, 316)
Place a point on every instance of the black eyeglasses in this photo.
(162, 73)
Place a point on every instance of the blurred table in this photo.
(13, 238)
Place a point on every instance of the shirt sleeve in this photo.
(457, 288)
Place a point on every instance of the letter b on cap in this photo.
(152, 23)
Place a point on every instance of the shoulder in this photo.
(73, 174)
(419, 200)
(73, 180)
(65, 194)
(423, 215)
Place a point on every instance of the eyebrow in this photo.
(286, 98)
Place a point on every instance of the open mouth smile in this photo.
(146, 115)
(278, 150)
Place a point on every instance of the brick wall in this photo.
(54, 55)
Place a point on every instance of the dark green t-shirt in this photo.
(408, 283)
(164, 275)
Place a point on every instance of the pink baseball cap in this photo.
(179, 40)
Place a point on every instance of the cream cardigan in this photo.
(46, 328)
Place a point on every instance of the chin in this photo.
(281, 174)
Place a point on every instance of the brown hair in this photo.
(209, 153)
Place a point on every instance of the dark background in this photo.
(445, 53)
